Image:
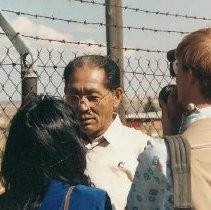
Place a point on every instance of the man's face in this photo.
(97, 103)
(182, 81)
(174, 111)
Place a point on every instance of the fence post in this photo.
(114, 38)
(28, 75)
(29, 81)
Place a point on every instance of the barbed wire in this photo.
(85, 22)
(62, 67)
(89, 44)
(145, 11)
(147, 74)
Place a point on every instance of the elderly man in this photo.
(153, 183)
(92, 89)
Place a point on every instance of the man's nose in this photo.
(83, 105)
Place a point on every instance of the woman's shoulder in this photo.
(82, 197)
(89, 198)
(89, 191)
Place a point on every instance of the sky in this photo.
(73, 10)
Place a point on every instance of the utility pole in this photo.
(114, 38)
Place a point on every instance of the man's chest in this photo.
(111, 164)
(112, 169)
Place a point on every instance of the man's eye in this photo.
(73, 97)
(92, 98)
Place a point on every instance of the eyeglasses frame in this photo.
(86, 101)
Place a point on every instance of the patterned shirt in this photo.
(152, 184)
(152, 187)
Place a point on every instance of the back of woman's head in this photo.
(43, 145)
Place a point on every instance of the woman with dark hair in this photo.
(44, 162)
(171, 111)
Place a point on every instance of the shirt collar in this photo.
(200, 114)
(110, 135)
(95, 143)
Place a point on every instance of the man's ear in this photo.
(191, 77)
(117, 97)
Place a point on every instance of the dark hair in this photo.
(42, 145)
(171, 58)
(194, 52)
(165, 93)
(110, 68)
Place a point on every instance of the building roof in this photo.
(143, 115)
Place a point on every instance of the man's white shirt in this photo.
(112, 160)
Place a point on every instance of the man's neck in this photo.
(199, 101)
(100, 133)
(94, 136)
(204, 105)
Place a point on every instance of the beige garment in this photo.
(111, 164)
(198, 135)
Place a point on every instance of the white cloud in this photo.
(92, 49)
(25, 26)
(84, 29)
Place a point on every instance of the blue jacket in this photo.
(82, 198)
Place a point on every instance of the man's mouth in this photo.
(85, 119)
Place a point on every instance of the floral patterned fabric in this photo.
(152, 184)
(152, 187)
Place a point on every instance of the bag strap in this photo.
(179, 150)
(67, 198)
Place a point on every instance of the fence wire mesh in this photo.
(143, 79)
(145, 65)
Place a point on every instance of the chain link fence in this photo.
(57, 38)
(145, 69)
(143, 79)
